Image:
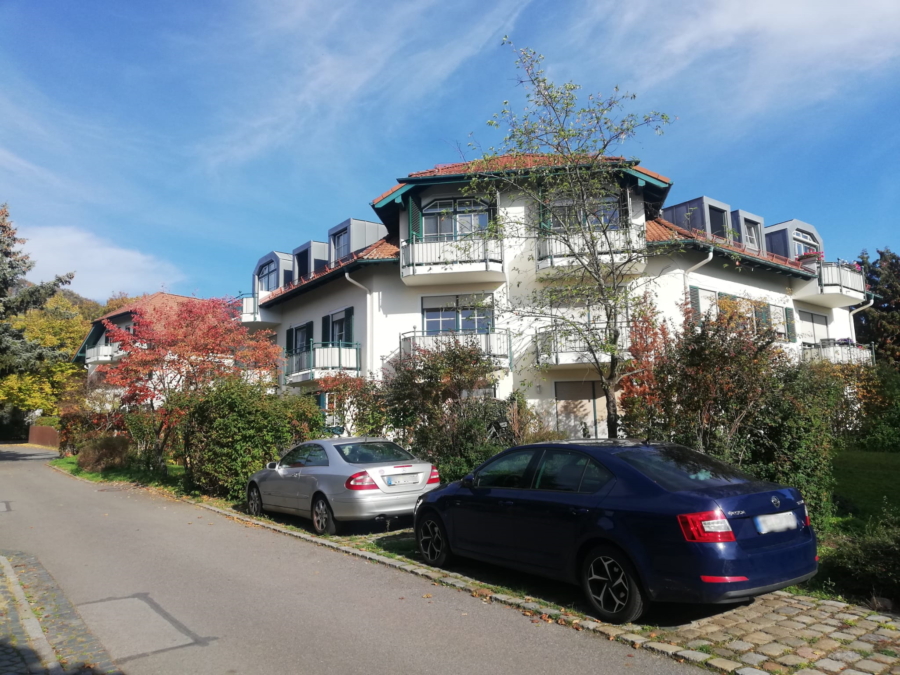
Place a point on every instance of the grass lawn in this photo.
(865, 479)
(126, 475)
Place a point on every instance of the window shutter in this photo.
(326, 328)
(348, 324)
(789, 324)
(289, 341)
(761, 312)
(415, 218)
(307, 335)
(695, 303)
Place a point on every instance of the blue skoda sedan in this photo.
(630, 522)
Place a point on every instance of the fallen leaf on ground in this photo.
(427, 595)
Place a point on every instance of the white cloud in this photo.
(101, 267)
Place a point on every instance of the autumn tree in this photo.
(880, 325)
(18, 353)
(562, 155)
(183, 347)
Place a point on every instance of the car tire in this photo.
(431, 536)
(612, 586)
(323, 521)
(254, 501)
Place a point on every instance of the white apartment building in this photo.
(375, 289)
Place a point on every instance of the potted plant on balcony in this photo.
(811, 256)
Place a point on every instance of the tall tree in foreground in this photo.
(18, 353)
(880, 325)
(562, 155)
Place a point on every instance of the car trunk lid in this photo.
(393, 477)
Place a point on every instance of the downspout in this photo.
(695, 267)
(858, 309)
(369, 321)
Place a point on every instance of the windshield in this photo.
(372, 452)
(677, 468)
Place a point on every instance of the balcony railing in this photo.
(554, 347)
(451, 251)
(495, 343)
(839, 353)
(249, 305)
(103, 353)
(835, 277)
(322, 356)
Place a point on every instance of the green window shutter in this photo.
(308, 335)
(326, 328)
(789, 324)
(348, 324)
(289, 341)
(321, 400)
(695, 303)
(761, 312)
(415, 218)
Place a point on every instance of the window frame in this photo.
(450, 213)
(344, 237)
(527, 475)
(457, 309)
(268, 271)
(751, 227)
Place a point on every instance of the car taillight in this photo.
(361, 481)
(805, 516)
(706, 527)
(435, 477)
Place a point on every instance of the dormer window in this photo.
(340, 241)
(718, 222)
(752, 229)
(804, 243)
(447, 219)
(268, 276)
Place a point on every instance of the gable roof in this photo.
(158, 299)
(383, 250)
(660, 230)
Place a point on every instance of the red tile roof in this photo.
(388, 193)
(661, 230)
(383, 249)
(158, 299)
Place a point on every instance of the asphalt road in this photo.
(171, 588)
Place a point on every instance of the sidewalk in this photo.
(40, 630)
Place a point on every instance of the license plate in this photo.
(776, 522)
(401, 480)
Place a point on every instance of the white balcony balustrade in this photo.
(619, 246)
(319, 359)
(556, 347)
(854, 354)
(439, 260)
(837, 285)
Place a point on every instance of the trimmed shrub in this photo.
(47, 421)
(880, 427)
(103, 452)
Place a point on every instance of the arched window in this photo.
(268, 276)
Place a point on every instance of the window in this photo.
(341, 244)
(316, 455)
(801, 248)
(560, 471)
(595, 477)
(717, 222)
(804, 243)
(447, 219)
(606, 213)
(372, 452)
(776, 316)
(813, 327)
(508, 471)
(294, 458)
(677, 468)
(752, 233)
(338, 327)
(470, 313)
(709, 303)
(268, 276)
(299, 338)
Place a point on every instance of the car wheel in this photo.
(611, 585)
(434, 545)
(254, 501)
(323, 517)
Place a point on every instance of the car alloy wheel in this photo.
(611, 585)
(433, 544)
(254, 501)
(322, 517)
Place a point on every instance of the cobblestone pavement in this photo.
(78, 651)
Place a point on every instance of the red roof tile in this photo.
(388, 193)
(383, 249)
(158, 299)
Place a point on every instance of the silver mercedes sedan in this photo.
(341, 479)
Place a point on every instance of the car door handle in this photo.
(505, 503)
(579, 512)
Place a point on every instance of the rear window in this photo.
(372, 452)
(677, 468)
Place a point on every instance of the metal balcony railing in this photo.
(450, 250)
(555, 347)
(494, 343)
(558, 245)
(839, 353)
(249, 304)
(103, 352)
(841, 275)
(323, 356)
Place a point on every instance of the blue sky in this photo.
(168, 145)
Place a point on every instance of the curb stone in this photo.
(732, 630)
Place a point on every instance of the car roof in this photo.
(350, 439)
(607, 445)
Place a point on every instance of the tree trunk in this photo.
(612, 411)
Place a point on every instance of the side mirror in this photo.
(272, 465)
(468, 481)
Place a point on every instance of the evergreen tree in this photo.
(880, 325)
(18, 354)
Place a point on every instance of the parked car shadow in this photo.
(19, 453)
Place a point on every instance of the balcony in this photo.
(451, 260)
(837, 285)
(255, 316)
(320, 359)
(496, 343)
(618, 246)
(103, 354)
(556, 349)
(863, 355)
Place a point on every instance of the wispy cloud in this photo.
(101, 266)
